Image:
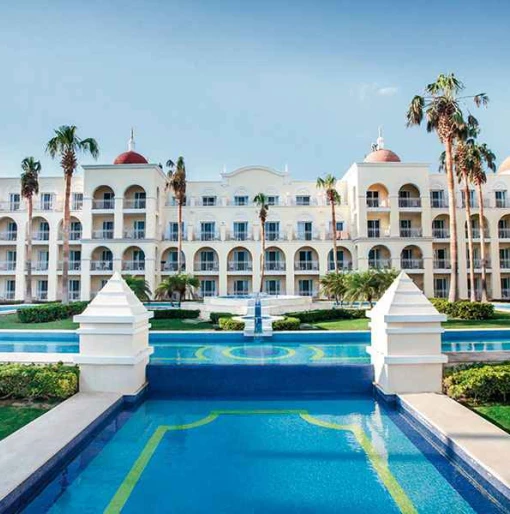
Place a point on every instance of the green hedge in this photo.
(175, 314)
(463, 309)
(326, 315)
(215, 316)
(32, 382)
(479, 383)
(230, 324)
(50, 312)
(286, 323)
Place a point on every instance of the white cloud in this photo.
(387, 91)
(368, 90)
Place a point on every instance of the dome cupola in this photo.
(130, 157)
(381, 154)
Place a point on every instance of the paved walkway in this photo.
(26, 451)
(485, 443)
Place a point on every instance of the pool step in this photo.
(259, 381)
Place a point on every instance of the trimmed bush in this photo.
(479, 383)
(286, 323)
(326, 315)
(32, 382)
(50, 312)
(464, 309)
(230, 324)
(215, 316)
(175, 314)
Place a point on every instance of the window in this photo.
(240, 230)
(44, 231)
(339, 258)
(437, 198)
(11, 260)
(46, 201)
(140, 200)
(42, 290)
(305, 287)
(108, 200)
(75, 230)
(472, 198)
(304, 230)
(208, 201)
(14, 201)
(441, 287)
(505, 288)
(139, 229)
(208, 287)
(272, 286)
(303, 200)
(43, 258)
(240, 200)
(404, 194)
(77, 202)
(241, 261)
(241, 287)
(273, 200)
(339, 229)
(107, 230)
(75, 260)
(373, 228)
(405, 228)
(10, 289)
(501, 199)
(12, 231)
(207, 230)
(273, 261)
(372, 198)
(272, 230)
(74, 290)
(305, 261)
(173, 231)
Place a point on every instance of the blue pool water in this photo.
(321, 348)
(348, 455)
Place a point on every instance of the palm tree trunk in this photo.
(452, 211)
(28, 258)
(179, 236)
(262, 255)
(65, 239)
(333, 222)
(467, 199)
(481, 222)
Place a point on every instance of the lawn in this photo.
(13, 417)
(10, 321)
(499, 414)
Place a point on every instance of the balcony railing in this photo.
(505, 294)
(440, 293)
(407, 203)
(41, 296)
(171, 236)
(240, 266)
(307, 236)
(103, 205)
(377, 232)
(41, 235)
(274, 266)
(440, 233)
(306, 266)
(504, 233)
(172, 266)
(8, 266)
(477, 232)
(135, 203)
(74, 235)
(340, 234)
(134, 234)
(240, 236)
(411, 263)
(442, 264)
(504, 263)
(43, 206)
(342, 266)
(73, 265)
(475, 204)
(40, 266)
(206, 266)
(379, 263)
(274, 236)
(8, 295)
(411, 232)
(133, 265)
(102, 234)
(209, 236)
(73, 296)
(439, 203)
(477, 263)
(240, 292)
(77, 205)
(10, 206)
(502, 203)
(8, 236)
(307, 292)
(98, 265)
(378, 203)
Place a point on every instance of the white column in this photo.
(118, 218)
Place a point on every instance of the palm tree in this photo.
(369, 285)
(334, 285)
(176, 181)
(441, 105)
(179, 283)
(262, 204)
(328, 183)
(66, 144)
(29, 187)
(140, 287)
(477, 156)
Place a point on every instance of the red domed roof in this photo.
(505, 166)
(130, 158)
(382, 155)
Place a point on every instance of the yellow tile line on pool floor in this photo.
(381, 467)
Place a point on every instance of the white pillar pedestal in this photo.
(114, 341)
(406, 340)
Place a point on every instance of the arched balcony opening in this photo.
(441, 227)
(344, 259)
(40, 229)
(240, 260)
(379, 257)
(101, 260)
(206, 261)
(377, 197)
(306, 259)
(409, 197)
(75, 230)
(170, 261)
(274, 261)
(504, 227)
(8, 229)
(103, 199)
(476, 229)
(135, 198)
(411, 258)
(133, 260)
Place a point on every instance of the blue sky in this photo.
(232, 83)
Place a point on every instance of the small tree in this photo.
(179, 284)
(370, 285)
(262, 203)
(140, 287)
(334, 285)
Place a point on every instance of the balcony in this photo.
(8, 295)
(342, 266)
(39, 235)
(10, 206)
(137, 204)
(340, 234)
(77, 205)
(209, 236)
(240, 266)
(102, 234)
(477, 232)
(504, 233)
(379, 263)
(73, 296)
(439, 203)
(74, 235)
(134, 234)
(307, 292)
(206, 266)
(103, 205)
(440, 293)
(172, 236)
(410, 264)
(307, 236)
(133, 265)
(274, 266)
(73, 266)
(171, 267)
(240, 236)
(440, 233)
(442, 264)
(274, 236)
(98, 265)
(409, 203)
(375, 233)
(8, 266)
(411, 232)
(477, 263)
(306, 266)
(504, 263)
(41, 296)
(40, 266)
(475, 204)
(44, 206)
(502, 203)
(378, 203)
(8, 236)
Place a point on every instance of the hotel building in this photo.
(392, 214)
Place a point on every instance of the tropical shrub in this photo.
(326, 315)
(287, 323)
(370, 285)
(176, 314)
(140, 287)
(50, 312)
(230, 324)
(215, 316)
(479, 383)
(176, 286)
(464, 309)
(33, 382)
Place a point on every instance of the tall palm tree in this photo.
(328, 183)
(66, 144)
(479, 155)
(176, 181)
(140, 287)
(180, 284)
(29, 187)
(262, 204)
(442, 106)
(334, 285)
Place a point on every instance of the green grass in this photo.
(13, 417)
(180, 324)
(10, 321)
(498, 414)
(343, 324)
(501, 320)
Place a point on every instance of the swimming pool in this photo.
(349, 455)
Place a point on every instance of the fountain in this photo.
(257, 323)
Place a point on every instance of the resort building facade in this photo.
(392, 214)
